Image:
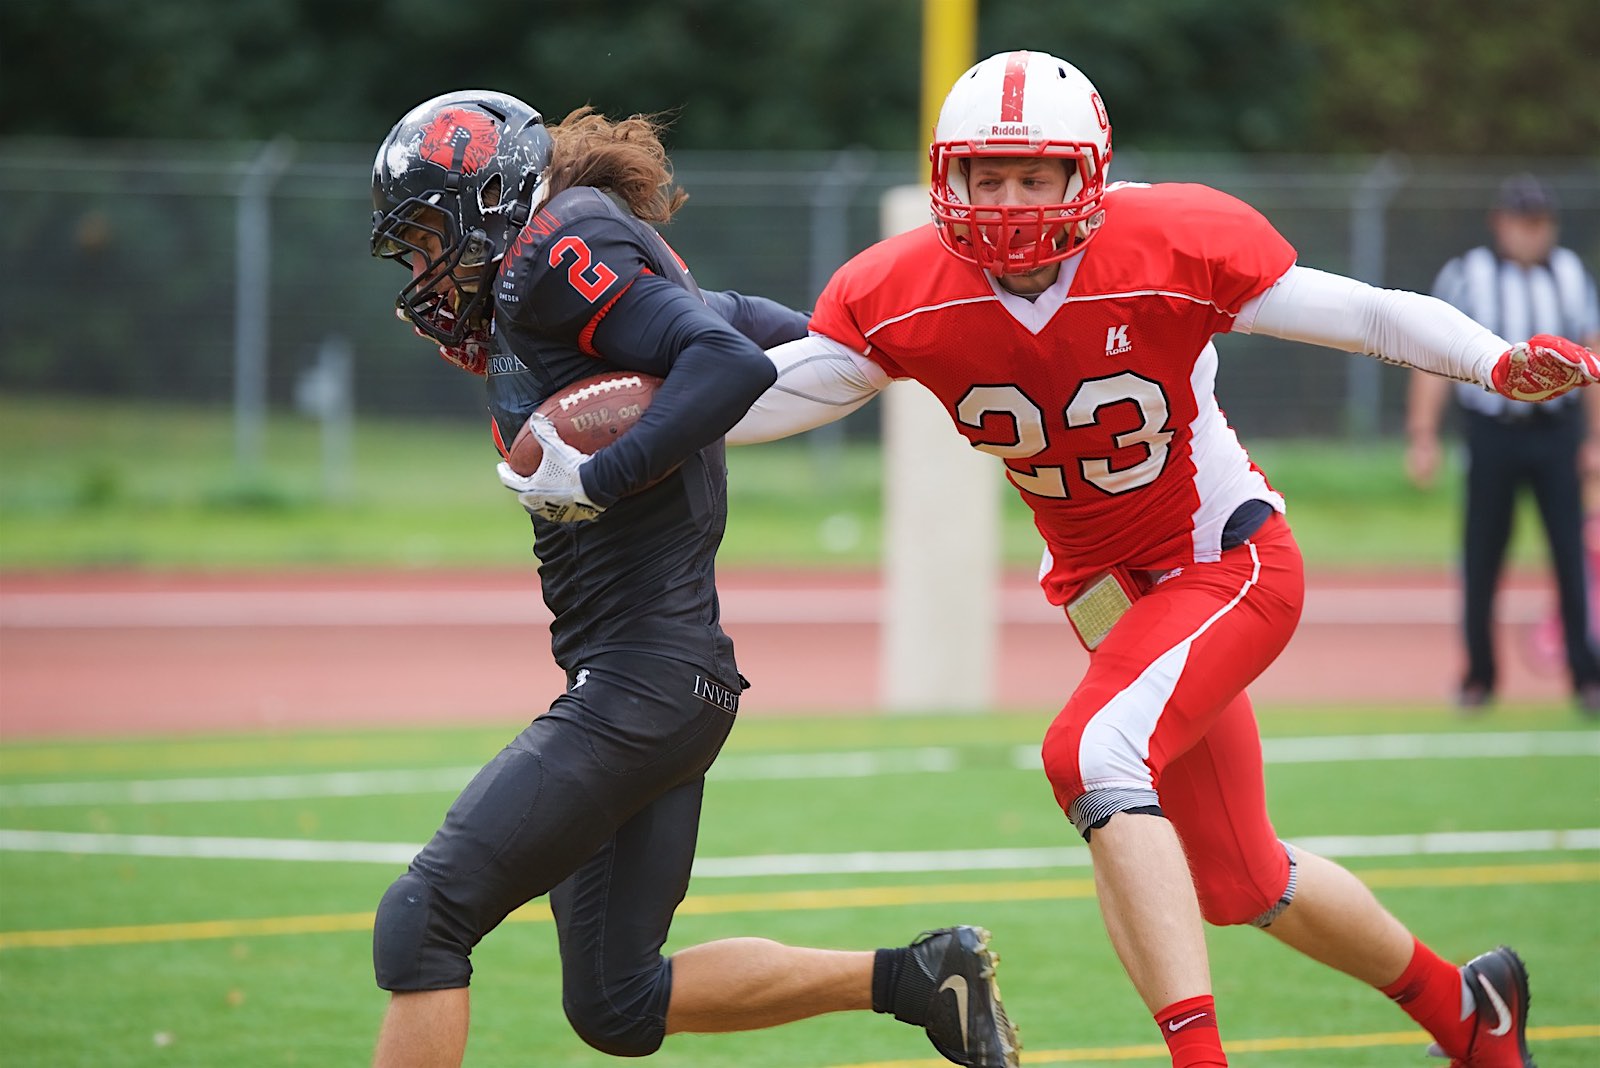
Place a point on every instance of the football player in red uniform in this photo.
(533, 262)
(1065, 325)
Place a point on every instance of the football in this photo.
(588, 414)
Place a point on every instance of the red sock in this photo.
(1190, 1028)
(1429, 991)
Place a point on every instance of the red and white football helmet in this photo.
(1020, 104)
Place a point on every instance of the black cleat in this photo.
(949, 985)
(1499, 984)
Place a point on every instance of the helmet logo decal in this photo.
(1011, 89)
(1100, 111)
(459, 140)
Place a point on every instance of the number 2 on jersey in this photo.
(1030, 435)
(588, 276)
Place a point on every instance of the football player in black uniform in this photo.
(534, 263)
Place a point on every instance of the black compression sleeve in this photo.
(712, 376)
(766, 322)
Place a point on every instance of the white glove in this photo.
(555, 490)
(1543, 367)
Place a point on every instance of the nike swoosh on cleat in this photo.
(957, 985)
(1500, 1008)
(1178, 1025)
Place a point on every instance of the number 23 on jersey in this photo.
(1029, 433)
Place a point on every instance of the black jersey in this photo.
(587, 287)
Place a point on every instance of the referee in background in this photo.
(1524, 284)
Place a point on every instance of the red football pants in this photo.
(1163, 707)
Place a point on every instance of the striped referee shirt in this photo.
(1516, 302)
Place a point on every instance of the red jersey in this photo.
(1098, 395)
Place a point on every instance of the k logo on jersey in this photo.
(1117, 340)
(459, 140)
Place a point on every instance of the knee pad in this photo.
(626, 1018)
(1226, 901)
(1093, 809)
(409, 948)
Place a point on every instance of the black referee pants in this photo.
(1539, 451)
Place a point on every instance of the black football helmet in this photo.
(452, 185)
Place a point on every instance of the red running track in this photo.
(107, 654)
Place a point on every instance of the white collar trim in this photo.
(1036, 314)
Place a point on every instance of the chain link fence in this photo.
(223, 274)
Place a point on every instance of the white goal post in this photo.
(941, 540)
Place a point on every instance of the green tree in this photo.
(1175, 74)
(1455, 76)
(1436, 76)
(739, 73)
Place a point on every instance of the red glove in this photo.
(471, 355)
(1543, 367)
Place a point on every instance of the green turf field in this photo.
(91, 483)
(205, 901)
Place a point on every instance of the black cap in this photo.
(1523, 194)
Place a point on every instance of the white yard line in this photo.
(1334, 749)
(760, 767)
(774, 766)
(1430, 746)
(1461, 843)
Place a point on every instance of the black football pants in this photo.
(596, 803)
(1541, 453)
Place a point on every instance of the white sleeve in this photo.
(1391, 324)
(819, 380)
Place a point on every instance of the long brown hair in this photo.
(625, 157)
